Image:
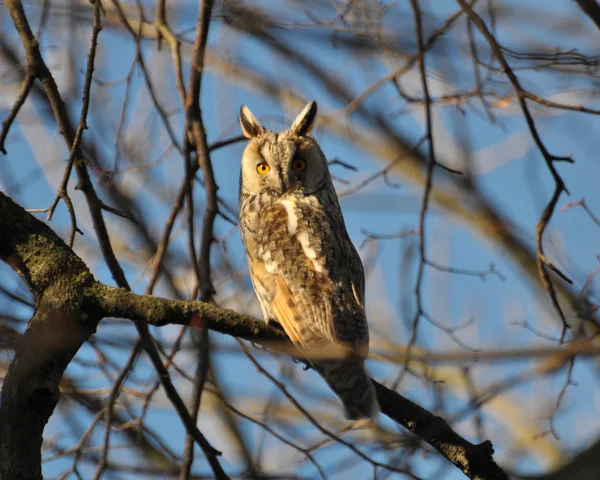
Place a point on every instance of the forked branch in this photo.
(71, 303)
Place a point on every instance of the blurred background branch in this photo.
(140, 98)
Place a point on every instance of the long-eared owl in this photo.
(305, 271)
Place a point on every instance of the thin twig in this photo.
(428, 180)
(543, 263)
(194, 128)
(30, 76)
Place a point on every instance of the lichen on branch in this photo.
(69, 305)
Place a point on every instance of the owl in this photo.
(305, 271)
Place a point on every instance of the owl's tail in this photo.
(349, 380)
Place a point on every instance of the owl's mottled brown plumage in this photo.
(306, 273)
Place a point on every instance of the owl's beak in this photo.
(283, 182)
(291, 184)
(287, 183)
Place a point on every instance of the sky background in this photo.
(507, 168)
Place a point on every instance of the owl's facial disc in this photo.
(307, 168)
(282, 163)
(261, 166)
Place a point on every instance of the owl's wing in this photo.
(287, 312)
(303, 319)
(308, 276)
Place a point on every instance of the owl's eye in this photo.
(299, 165)
(263, 168)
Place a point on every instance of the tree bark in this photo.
(61, 323)
(70, 303)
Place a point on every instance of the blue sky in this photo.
(512, 175)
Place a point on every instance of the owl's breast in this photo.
(301, 238)
(289, 238)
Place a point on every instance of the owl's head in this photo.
(282, 163)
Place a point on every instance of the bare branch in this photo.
(542, 261)
(591, 9)
(94, 301)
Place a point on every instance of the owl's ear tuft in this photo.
(305, 121)
(251, 127)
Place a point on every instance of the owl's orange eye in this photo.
(263, 168)
(299, 165)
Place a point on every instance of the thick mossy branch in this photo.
(118, 302)
(69, 304)
(60, 325)
(37, 254)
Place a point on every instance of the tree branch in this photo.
(70, 303)
(543, 264)
(591, 9)
(95, 205)
(60, 325)
(194, 128)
